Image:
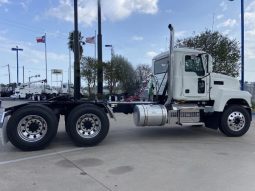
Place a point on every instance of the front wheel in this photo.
(235, 121)
(87, 125)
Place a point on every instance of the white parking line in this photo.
(39, 156)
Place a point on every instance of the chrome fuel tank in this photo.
(150, 115)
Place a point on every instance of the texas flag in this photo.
(40, 39)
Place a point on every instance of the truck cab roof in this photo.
(184, 50)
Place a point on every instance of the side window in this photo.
(194, 64)
(160, 66)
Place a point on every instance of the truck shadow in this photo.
(148, 134)
(164, 134)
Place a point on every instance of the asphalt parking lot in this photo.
(135, 159)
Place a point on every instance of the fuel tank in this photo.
(150, 115)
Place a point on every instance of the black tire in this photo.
(235, 121)
(92, 119)
(38, 114)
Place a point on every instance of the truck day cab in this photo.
(188, 93)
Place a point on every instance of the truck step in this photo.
(192, 124)
(177, 107)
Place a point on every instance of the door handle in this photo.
(187, 91)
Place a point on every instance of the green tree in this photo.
(71, 42)
(110, 75)
(89, 72)
(119, 71)
(225, 51)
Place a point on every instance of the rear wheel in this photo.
(32, 127)
(235, 121)
(87, 125)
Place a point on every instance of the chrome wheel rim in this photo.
(236, 121)
(32, 128)
(88, 126)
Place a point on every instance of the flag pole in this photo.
(46, 67)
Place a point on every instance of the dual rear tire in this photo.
(87, 125)
(33, 127)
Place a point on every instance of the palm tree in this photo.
(71, 42)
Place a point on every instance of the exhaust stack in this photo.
(170, 66)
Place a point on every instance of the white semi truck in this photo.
(190, 94)
(36, 92)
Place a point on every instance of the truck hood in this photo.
(226, 82)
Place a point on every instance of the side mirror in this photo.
(209, 63)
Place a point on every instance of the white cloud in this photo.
(25, 4)
(226, 32)
(151, 54)
(137, 38)
(223, 6)
(228, 23)
(4, 2)
(219, 17)
(250, 31)
(4, 31)
(180, 34)
(119, 9)
(169, 11)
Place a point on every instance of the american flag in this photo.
(40, 39)
(91, 40)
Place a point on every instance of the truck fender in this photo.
(224, 97)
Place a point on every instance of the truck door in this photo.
(195, 82)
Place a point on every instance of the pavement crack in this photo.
(83, 172)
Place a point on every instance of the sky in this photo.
(137, 29)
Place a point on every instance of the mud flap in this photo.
(3, 134)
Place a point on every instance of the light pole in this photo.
(17, 49)
(111, 72)
(242, 43)
(112, 50)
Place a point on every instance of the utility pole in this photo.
(23, 74)
(17, 49)
(100, 56)
(9, 74)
